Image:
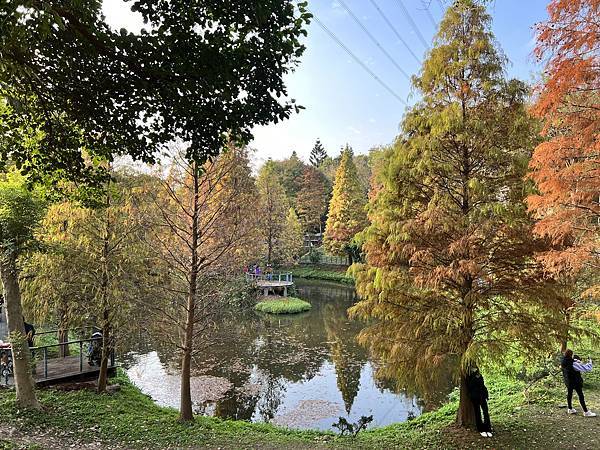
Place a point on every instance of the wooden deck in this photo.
(59, 370)
(66, 369)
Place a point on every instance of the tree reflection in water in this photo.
(292, 367)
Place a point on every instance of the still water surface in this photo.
(302, 371)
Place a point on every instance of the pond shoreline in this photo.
(130, 419)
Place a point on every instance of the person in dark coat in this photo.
(574, 382)
(478, 394)
(29, 332)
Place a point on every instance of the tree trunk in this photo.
(465, 416)
(63, 336)
(270, 248)
(20, 350)
(63, 331)
(103, 374)
(565, 339)
(185, 405)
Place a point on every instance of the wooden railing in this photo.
(283, 277)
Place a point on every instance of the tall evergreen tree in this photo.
(451, 274)
(317, 154)
(347, 214)
(274, 209)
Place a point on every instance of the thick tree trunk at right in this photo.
(465, 416)
(25, 387)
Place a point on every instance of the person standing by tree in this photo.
(574, 382)
(479, 395)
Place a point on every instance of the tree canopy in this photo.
(203, 72)
(566, 165)
(450, 275)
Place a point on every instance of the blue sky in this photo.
(344, 104)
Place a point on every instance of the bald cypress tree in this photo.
(450, 275)
(347, 214)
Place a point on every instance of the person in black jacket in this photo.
(478, 394)
(574, 382)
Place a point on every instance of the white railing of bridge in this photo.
(283, 277)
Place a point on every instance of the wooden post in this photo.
(80, 356)
(285, 291)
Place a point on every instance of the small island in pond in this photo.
(282, 305)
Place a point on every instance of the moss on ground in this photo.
(284, 305)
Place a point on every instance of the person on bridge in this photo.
(29, 332)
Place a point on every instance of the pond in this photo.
(302, 371)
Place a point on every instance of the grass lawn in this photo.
(282, 305)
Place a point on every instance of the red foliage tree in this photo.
(566, 166)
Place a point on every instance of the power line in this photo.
(412, 23)
(429, 15)
(375, 41)
(395, 30)
(357, 59)
(442, 7)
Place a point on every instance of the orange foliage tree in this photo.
(566, 166)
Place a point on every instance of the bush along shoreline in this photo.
(321, 273)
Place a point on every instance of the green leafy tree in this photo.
(292, 241)
(317, 154)
(20, 213)
(451, 275)
(313, 200)
(347, 214)
(64, 69)
(291, 174)
(92, 266)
